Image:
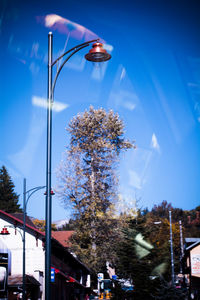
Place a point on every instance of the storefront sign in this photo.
(195, 263)
(52, 275)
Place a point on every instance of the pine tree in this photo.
(8, 198)
(167, 292)
(89, 181)
(136, 257)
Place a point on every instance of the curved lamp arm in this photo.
(15, 227)
(59, 70)
(33, 190)
(75, 50)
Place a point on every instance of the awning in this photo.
(17, 280)
(69, 279)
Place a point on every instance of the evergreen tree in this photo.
(8, 198)
(89, 182)
(137, 258)
(166, 291)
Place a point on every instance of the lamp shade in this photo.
(52, 193)
(97, 53)
(4, 231)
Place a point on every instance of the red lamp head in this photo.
(4, 231)
(98, 53)
(52, 193)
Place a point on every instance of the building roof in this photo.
(55, 242)
(17, 280)
(63, 237)
(192, 240)
(18, 222)
(193, 245)
(20, 216)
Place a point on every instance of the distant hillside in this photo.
(60, 223)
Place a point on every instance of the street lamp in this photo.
(96, 54)
(25, 202)
(23, 236)
(6, 232)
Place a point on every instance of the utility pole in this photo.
(24, 242)
(181, 246)
(171, 247)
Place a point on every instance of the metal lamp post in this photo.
(96, 54)
(171, 248)
(25, 202)
(181, 246)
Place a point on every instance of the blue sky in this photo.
(152, 81)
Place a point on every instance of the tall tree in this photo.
(8, 197)
(89, 181)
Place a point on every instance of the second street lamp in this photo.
(28, 193)
(96, 54)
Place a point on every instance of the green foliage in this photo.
(157, 232)
(165, 291)
(88, 182)
(40, 224)
(8, 198)
(149, 269)
(68, 226)
(161, 210)
(190, 229)
(95, 244)
(137, 258)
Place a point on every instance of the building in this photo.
(71, 278)
(191, 262)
